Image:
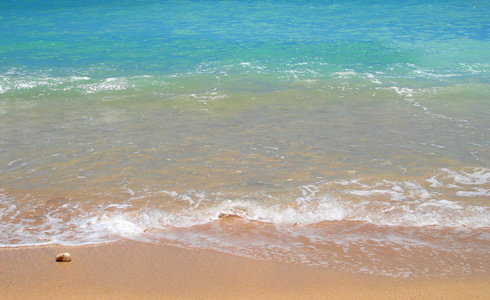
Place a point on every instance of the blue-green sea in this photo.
(352, 135)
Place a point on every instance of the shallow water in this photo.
(349, 135)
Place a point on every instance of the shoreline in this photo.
(134, 270)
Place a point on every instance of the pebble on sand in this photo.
(63, 257)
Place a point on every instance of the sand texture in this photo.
(133, 270)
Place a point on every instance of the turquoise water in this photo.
(352, 135)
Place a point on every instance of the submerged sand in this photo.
(134, 270)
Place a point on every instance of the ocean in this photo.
(351, 135)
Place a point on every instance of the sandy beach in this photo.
(134, 270)
(196, 149)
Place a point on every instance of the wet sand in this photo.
(134, 270)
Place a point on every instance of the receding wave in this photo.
(385, 203)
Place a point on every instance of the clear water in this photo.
(348, 134)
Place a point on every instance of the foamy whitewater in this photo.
(352, 135)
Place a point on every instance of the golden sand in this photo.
(133, 270)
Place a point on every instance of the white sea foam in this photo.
(475, 177)
(204, 98)
(405, 92)
(373, 78)
(82, 84)
(291, 231)
(410, 204)
(477, 192)
(80, 78)
(472, 183)
(345, 74)
(476, 68)
(10, 84)
(109, 84)
(431, 74)
(384, 203)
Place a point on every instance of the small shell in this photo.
(63, 257)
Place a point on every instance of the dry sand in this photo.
(133, 270)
